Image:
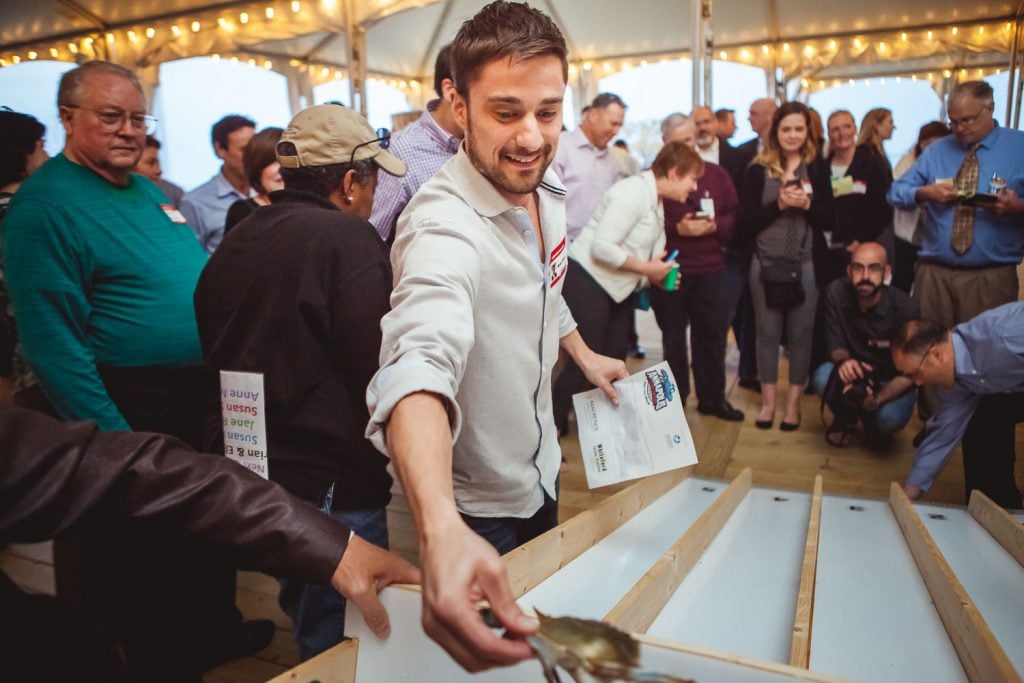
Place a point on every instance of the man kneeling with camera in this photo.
(861, 384)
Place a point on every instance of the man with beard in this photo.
(462, 401)
(714, 149)
(860, 382)
(100, 270)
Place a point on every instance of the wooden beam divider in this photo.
(999, 523)
(982, 657)
(532, 562)
(336, 665)
(800, 645)
(638, 609)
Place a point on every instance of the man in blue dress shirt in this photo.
(206, 207)
(978, 368)
(970, 250)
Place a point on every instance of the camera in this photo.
(860, 389)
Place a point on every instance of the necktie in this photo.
(963, 216)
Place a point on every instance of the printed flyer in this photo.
(645, 434)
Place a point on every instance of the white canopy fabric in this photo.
(819, 42)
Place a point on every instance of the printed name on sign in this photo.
(242, 415)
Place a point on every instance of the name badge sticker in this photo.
(707, 205)
(172, 212)
(808, 188)
(559, 263)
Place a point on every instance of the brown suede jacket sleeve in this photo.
(54, 476)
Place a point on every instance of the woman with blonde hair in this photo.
(875, 128)
(621, 248)
(786, 200)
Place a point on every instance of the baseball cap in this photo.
(327, 134)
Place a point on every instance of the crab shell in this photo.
(586, 642)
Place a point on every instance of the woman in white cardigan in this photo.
(619, 251)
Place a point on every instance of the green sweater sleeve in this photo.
(47, 269)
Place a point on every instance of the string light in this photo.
(930, 34)
(73, 48)
(110, 38)
(745, 55)
(252, 62)
(269, 12)
(832, 44)
(131, 36)
(3, 62)
(903, 37)
(215, 57)
(808, 51)
(32, 54)
(150, 32)
(607, 67)
(243, 18)
(764, 49)
(223, 23)
(329, 4)
(881, 46)
(296, 6)
(268, 65)
(587, 66)
(234, 60)
(16, 59)
(54, 52)
(785, 47)
(195, 27)
(175, 31)
(643, 62)
(954, 30)
(981, 30)
(857, 43)
(723, 54)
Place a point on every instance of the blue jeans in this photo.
(318, 612)
(887, 419)
(508, 533)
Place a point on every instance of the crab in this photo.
(587, 649)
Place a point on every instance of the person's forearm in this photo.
(634, 265)
(574, 345)
(897, 387)
(420, 443)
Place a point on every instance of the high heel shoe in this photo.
(764, 424)
(789, 426)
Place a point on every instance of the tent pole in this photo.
(355, 42)
(707, 46)
(696, 51)
(1012, 74)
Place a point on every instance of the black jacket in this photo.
(296, 291)
(863, 217)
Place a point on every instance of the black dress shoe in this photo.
(789, 426)
(722, 411)
(751, 384)
(763, 424)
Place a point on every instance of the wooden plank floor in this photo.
(778, 459)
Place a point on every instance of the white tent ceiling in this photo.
(819, 41)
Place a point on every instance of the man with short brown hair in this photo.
(462, 401)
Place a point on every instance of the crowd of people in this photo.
(406, 299)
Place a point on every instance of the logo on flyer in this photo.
(659, 389)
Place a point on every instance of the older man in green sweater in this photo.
(101, 270)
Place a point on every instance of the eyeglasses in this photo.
(912, 376)
(383, 138)
(113, 119)
(964, 120)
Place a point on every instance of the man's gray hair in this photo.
(671, 122)
(72, 83)
(979, 90)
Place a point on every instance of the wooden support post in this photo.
(638, 609)
(336, 665)
(999, 524)
(531, 563)
(982, 657)
(800, 645)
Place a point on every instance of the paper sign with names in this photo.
(646, 434)
(243, 414)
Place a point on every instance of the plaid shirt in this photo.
(424, 147)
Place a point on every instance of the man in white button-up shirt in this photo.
(462, 402)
